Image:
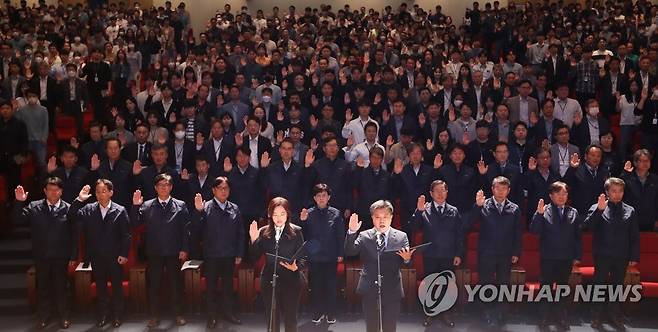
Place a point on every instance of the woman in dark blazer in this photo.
(280, 232)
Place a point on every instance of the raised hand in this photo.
(602, 202)
(172, 117)
(265, 160)
(397, 166)
(429, 145)
(350, 141)
(137, 167)
(20, 194)
(74, 142)
(420, 204)
(438, 161)
(452, 116)
(95, 162)
(354, 224)
(137, 197)
(360, 162)
(254, 233)
(303, 216)
(199, 140)
(348, 114)
(309, 158)
(465, 138)
(228, 165)
(541, 207)
(389, 141)
(185, 175)
(480, 198)
(386, 116)
(198, 202)
(577, 118)
(346, 97)
(313, 121)
(532, 164)
(378, 98)
(84, 193)
(575, 160)
(239, 139)
(628, 167)
(52, 164)
(421, 120)
(482, 167)
(314, 101)
(314, 144)
(122, 260)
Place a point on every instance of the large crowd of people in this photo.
(333, 108)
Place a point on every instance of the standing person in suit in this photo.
(73, 176)
(558, 227)
(257, 143)
(335, 173)
(441, 224)
(180, 150)
(555, 66)
(281, 235)
(106, 229)
(499, 243)
(587, 130)
(74, 95)
(46, 88)
(615, 244)
(538, 179)
(54, 247)
(219, 222)
(461, 179)
(563, 152)
(546, 125)
(642, 189)
(115, 169)
(587, 179)
(372, 183)
(323, 224)
(217, 148)
(98, 75)
(140, 149)
(502, 167)
(522, 105)
(145, 176)
(167, 243)
(369, 244)
(237, 109)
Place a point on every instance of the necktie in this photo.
(381, 243)
(560, 211)
(52, 209)
(440, 209)
(164, 205)
(593, 172)
(140, 153)
(500, 207)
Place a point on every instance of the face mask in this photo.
(179, 134)
(458, 103)
(593, 111)
(28, 51)
(77, 39)
(267, 99)
(72, 73)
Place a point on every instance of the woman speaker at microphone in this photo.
(281, 242)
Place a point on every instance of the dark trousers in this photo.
(51, 274)
(72, 108)
(288, 291)
(555, 271)
(12, 174)
(157, 266)
(104, 269)
(323, 281)
(437, 265)
(247, 219)
(221, 267)
(609, 271)
(390, 312)
(495, 270)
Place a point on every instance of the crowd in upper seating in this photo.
(374, 103)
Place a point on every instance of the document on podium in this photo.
(419, 247)
(191, 264)
(83, 267)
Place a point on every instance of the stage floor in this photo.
(346, 322)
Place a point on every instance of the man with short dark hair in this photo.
(54, 247)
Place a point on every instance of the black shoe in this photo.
(117, 322)
(102, 321)
(43, 324)
(65, 323)
(618, 324)
(233, 319)
(596, 324)
(427, 321)
(317, 319)
(212, 323)
(331, 319)
(446, 320)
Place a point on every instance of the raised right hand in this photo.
(198, 202)
(84, 193)
(20, 194)
(602, 202)
(480, 198)
(303, 216)
(355, 224)
(95, 162)
(541, 207)
(420, 205)
(254, 233)
(137, 197)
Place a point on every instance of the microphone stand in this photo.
(379, 290)
(271, 327)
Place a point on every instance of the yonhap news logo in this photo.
(438, 292)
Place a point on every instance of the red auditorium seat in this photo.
(647, 265)
(65, 127)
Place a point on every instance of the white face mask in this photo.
(267, 99)
(38, 59)
(593, 111)
(179, 134)
(458, 103)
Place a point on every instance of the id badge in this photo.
(96, 78)
(655, 121)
